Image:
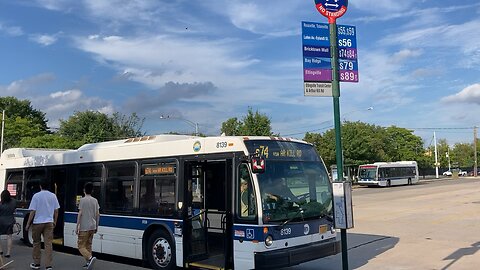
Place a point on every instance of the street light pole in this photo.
(3, 128)
(193, 124)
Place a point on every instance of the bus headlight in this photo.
(269, 241)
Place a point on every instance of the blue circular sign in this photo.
(332, 9)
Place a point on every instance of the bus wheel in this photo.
(388, 183)
(160, 252)
(27, 235)
(409, 181)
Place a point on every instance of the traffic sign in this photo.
(317, 56)
(332, 9)
(317, 89)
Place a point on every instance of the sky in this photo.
(203, 62)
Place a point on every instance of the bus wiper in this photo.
(300, 211)
(327, 216)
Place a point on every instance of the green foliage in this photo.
(231, 127)
(22, 108)
(364, 143)
(51, 141)
(18, 128)
(93, 127)
(253, 124)
(21, 121)
(256, 124)
(403, 144)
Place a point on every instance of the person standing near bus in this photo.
(7, 219)
(87, 224)
(43, 214)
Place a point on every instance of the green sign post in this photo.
(333, 11)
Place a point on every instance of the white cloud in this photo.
(160, 59)
(263, 17)
(55, 4)
(405, 54)
(62, 104)
(11, 30)
(44, 39)
(470, 94)
(25, 86)
(384, 6)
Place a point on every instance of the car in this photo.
(471, 173)
(460, 172)
(447, 173)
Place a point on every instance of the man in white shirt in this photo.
(87, 224)
(44, 213)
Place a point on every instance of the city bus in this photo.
(187, 201)
(387, 174)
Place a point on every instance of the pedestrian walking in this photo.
(87, 224)
(7, 220)
(43, 214)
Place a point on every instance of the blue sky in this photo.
(207, 61)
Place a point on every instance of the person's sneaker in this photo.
(34, 266)
(90, 263)
(85, 266)
(48, 268)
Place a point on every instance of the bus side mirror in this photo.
(258, 164)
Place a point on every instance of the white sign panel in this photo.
(318, 89)
(342, 200)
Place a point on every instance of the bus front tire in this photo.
(27, 235)
(160, 251)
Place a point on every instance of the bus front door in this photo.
(208, 219)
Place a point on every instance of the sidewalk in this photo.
(62, 260)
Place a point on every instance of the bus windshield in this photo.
(367, 172)
(294, 186)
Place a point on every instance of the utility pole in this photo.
(475, 150)
(3, 127)
(436, 155)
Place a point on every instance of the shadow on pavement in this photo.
(361, 249)
(459, 253)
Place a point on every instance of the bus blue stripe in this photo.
(125, 222)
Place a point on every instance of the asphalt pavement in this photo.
(63, 259)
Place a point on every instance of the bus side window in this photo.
(245, 194)
(119, 187)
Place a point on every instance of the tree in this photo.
(256, 124)
(92, 127)
(18, 128)
(363, 143)
(231, 127)
(52, 141)
(402, 144)
(21, 121)
(463, 155)
(127, 126)
(22, 108)
(253, 124)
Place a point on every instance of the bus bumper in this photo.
(296, 255)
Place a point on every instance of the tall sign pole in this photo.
(333, 9)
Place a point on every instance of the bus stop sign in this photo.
(332, 9)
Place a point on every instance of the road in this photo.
(430, 225)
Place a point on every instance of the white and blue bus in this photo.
(186, 201)
(387, 174)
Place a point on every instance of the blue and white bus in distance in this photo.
(387, 174)
(194, 202)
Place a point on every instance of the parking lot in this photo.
(432, 225)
